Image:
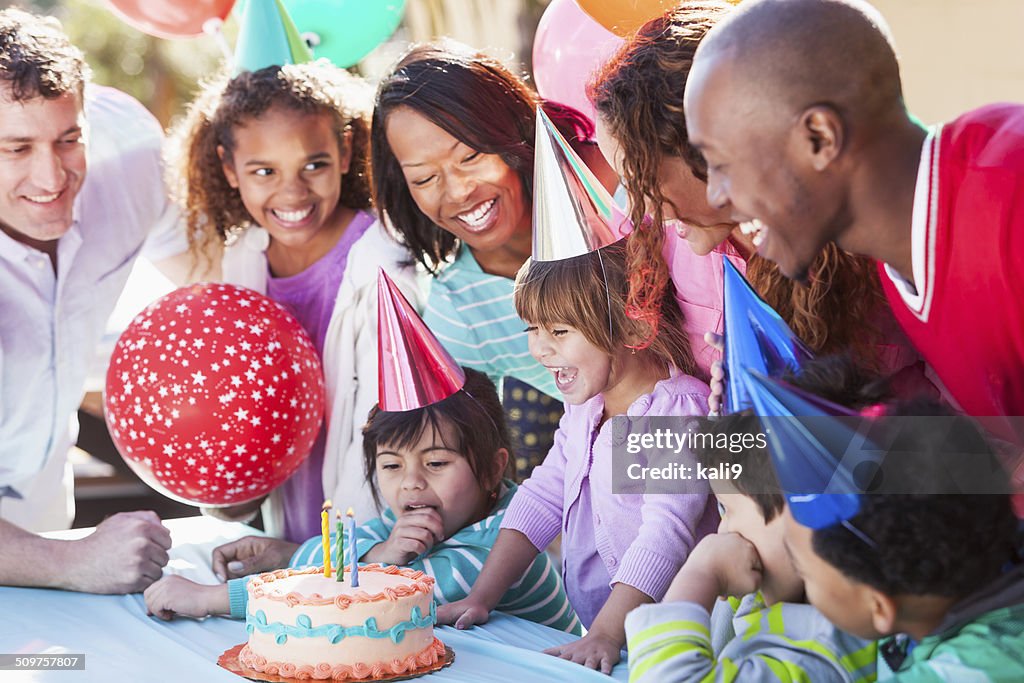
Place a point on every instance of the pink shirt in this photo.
(638, 540)
(700, 292)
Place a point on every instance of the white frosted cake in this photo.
(304, 626)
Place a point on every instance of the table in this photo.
(124, 645)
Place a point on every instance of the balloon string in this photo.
(607, 294)
(483, 410)
(212, 28)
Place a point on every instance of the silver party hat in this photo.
(572, 212)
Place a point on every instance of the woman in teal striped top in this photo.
(452, 158)
(439, 469)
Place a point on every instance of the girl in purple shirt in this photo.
(618, 550)
(272, 168)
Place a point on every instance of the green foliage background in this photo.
(162, 74)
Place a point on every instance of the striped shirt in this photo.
(472, 314)
(743, 640)
(980, 639)
(455, 564)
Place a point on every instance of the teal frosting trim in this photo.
(335, 633)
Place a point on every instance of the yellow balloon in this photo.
(624, 17)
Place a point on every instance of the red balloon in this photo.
(214, 395)
(171, 18)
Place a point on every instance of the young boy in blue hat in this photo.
(765, 630)
(931, 565)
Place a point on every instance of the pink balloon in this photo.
(568, 48)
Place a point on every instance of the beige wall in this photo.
(957, 54)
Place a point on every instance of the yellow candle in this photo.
(325, 534)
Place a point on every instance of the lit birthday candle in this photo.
(325, 536)
(352, 547)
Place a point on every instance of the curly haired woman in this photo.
(638, 95)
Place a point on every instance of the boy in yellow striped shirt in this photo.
(764, 630)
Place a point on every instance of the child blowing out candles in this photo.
(437, 459)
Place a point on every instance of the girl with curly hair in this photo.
(638, 95)
(271, 167)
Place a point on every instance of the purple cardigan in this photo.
(638, 540)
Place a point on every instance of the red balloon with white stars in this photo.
(214, 395)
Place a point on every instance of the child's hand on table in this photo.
(594, 651)
(177, 596)
(463, 613)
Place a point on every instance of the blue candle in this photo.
(352, 548)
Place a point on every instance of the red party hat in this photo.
(414, 370)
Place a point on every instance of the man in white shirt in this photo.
(80, 189)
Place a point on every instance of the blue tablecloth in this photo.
(123, 645)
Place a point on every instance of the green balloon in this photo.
(345, 31)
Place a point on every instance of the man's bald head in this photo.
(796, 53)
(786, 100)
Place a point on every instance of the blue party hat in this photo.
(267, 36)
(756, 337)
(816, 448)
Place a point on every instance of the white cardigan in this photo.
(350, 355)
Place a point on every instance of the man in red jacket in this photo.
(798, 108)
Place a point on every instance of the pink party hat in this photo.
(414, 370)
(572, 212)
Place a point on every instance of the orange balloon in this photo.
(171, 18)
(624, 17)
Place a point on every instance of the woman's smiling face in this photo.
(475, 196)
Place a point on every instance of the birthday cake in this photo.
(305, 626)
